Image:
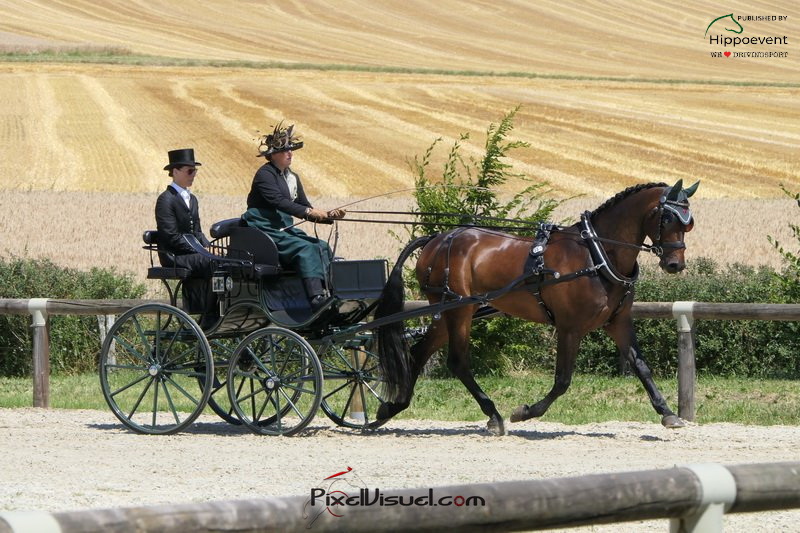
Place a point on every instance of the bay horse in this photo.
(585, 281)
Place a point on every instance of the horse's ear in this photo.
(673, 192)
(691, 190)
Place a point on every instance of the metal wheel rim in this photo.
(275, 382)
(153, 364)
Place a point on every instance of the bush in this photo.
(763, 349)
(469, 188)
(74, 340)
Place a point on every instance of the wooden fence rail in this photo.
(685, 313)
(694, 498)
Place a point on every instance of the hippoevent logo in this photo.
(729, 31)
(344, 490)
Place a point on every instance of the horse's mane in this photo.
(617, 198)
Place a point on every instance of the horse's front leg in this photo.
(567, 350)
(622, 331)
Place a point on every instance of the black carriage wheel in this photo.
(275, 382)
(219, 401)
(154, 365)
(353, 389)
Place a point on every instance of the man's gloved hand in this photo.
(316, 215)
(336, 214)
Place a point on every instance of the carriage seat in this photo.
(150, 238)
(245, 242)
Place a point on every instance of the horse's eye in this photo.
(669, 218)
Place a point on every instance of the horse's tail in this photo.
(392, 344)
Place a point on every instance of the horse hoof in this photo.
(520, 414)
(496, 427)
(673, 422)
(384, 412)
(375, 424)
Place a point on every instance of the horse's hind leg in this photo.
(622, 331)
(567, 350)
(459, 324)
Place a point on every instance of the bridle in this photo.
(679, 209)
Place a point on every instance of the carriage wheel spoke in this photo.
(150, 352)
(285, 381)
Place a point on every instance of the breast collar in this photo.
(600, 258)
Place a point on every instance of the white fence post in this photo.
(104, 323)
(37, 307)
(718, 489)
(687, 370)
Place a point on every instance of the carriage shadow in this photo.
(225, 429)
(198, 428)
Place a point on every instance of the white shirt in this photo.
(291, 182)
(185, 194)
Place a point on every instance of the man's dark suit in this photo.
(173, 220)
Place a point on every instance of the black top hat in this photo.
(181, 158)
(280, 140)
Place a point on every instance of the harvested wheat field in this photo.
(102, 132)
(623, 95)
(671, 111)
(107, 128)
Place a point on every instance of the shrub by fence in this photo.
(74, 339)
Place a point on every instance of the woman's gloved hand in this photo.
(316, 215)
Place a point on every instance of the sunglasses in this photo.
(190, 171)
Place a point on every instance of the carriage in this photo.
(271, 361)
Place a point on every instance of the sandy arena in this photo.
(67, 459)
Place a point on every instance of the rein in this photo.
(451, 215)
(436, 224)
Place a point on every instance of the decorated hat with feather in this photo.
(280, 140)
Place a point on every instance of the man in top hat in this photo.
(177, 215)
(276, 196)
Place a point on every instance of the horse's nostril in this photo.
(674, 268)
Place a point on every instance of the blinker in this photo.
(683, 212)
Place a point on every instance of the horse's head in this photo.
(668, 222)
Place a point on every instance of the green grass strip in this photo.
(117, 57)
(589, 399)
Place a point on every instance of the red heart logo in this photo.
(727, 54)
